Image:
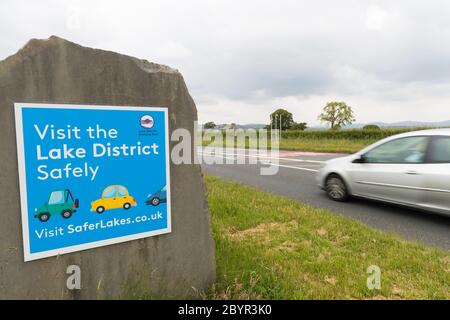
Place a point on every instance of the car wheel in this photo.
(100, 209)
(127, 206)
(66, 214)
(336, 188)
(155, 201)
(44, 217)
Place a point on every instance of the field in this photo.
(272, 247)
(325, 145)
(342, 141)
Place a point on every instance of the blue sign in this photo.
(91, 176)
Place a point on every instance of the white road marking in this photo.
(263, 157)
(225, 156)
(297, 168)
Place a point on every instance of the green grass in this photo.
(339, 141)
(272, 247)
(313, 144)
(325, 145)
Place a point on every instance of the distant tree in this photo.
(337, 114)
(209, 125)
(281, 119)
(300, 126)
(371, 127)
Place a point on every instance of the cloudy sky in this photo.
(389, 60)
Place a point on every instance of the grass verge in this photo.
(272, 247)
(325, 145)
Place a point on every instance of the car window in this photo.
(440, 150)
(57, 197)
(402, 150)
(122, 191)
(109, 192)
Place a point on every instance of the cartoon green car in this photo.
(60, 202)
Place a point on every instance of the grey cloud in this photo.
(259, 52)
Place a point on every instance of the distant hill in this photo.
(400, 124)
(251, 126)
(240, 126)
(408, 124)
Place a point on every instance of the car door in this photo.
(436, 173)
(164, 194)
(122, 196)
(391, 171)
(110, 197)
(56, 202)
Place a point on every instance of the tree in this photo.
(371, 127)
(300, 126)
(281, 119)
(209, 125)
(337, 114)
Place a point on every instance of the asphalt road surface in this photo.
(296, 179)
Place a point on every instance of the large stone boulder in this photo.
(179, 264)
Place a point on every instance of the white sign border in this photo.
(28, 256)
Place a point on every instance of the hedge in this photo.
(344, 134)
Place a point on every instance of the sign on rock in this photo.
(91, 176)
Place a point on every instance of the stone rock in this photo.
(176, 265)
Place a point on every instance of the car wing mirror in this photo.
(361, 159)
(77, 203)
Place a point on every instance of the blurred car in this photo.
(113, 197)
(411, 169)
(157, 197)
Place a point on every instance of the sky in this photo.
(241, 60)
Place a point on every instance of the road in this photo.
(296, 179)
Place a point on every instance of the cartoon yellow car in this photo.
(113, 197)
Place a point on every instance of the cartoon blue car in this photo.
(157, 197)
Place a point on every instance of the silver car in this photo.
(411, 169)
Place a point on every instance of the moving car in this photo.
(157, 197)
(59, 202)
(411, 169)
(113, 197)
